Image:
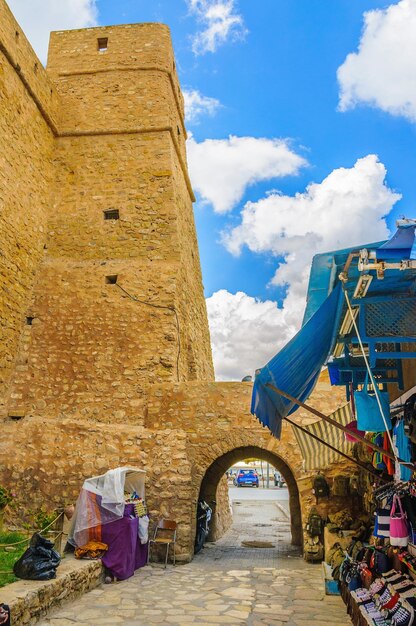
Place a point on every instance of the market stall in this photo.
(111, 521)
(376, 571)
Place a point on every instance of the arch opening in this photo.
(218, 468)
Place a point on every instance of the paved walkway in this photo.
(226, 584)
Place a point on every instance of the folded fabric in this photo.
(91, 550)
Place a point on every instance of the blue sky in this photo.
(267, 71)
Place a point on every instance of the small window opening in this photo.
(112, 214)
(102, 44)
(111, 280)
(29, 320)
(35, 67)
(179, 131)
(17, 34)
(16, 416)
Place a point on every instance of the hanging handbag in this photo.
(382, 561)
(366, 577)
(369, 417)
(353, 430)
(399, 530)
(382, 525)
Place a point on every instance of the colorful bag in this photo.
(335, 559)
(368, 412)
(354, 486)
(366, 577)
(410, 417)
(340, 486)
(382, 525)
(313, 550)
(352, 428)
(320, 486)
(381, 561)
(399, 530)
(315, 523)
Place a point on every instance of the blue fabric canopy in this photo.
(296, 368)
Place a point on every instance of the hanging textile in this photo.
(317, 455)
(403, 450)
(296, 368)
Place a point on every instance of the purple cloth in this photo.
(125, 553)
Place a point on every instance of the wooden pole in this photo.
(368, 443)
(346, 456)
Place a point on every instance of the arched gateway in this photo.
(216, 430)
(216, 470)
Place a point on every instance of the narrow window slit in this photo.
(112, 214)
(16, 416)
(29, 320)
(102, 44)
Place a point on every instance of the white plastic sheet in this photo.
(101, 501)
(144, 529)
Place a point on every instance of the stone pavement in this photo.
(226, 584)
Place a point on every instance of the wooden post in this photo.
(328, 445)
(368, 443)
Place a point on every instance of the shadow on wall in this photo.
(217, 469)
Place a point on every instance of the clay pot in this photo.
(69, 511)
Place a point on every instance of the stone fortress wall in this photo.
(95, 375)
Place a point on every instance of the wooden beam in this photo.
(325, 443)
(368, 443)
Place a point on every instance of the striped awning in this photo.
(316, 455)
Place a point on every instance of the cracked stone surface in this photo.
(225, 584)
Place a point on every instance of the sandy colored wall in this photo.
(189, 428)
(222, 511)
(120, 144)
(25, 182)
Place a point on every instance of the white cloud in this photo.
(382, 73)
(38, 17)
(346, 209)
(197, 105)
(245, 333)
(222, 169)
(221, 23)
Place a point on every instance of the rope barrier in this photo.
(11, 572)
(39, 530)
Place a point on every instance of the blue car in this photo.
(247, 478)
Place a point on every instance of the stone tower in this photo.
(115, 301)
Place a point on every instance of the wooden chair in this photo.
(165, 533)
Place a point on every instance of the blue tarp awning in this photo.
(296, 368)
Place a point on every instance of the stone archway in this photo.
(218, 468)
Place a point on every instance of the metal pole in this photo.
(368, 443)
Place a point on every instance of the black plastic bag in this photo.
(4, 615)
(39, 562)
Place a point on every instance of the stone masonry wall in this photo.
(25, 179)
(224, 516)
(120, 144)
(188, 427)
